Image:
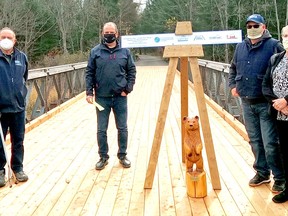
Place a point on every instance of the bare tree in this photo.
(127, 15)
(277, 20)
(26, 18)
(286, 18)
(64, 13)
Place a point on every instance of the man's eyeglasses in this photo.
(254, 26)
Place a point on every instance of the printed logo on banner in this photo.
(157, 39)
(182, 39)
(199, 37)
(231, 37)
(216, 37)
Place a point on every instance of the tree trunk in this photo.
(286, 20)
(277, 19)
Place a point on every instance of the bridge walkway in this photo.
(61, 152)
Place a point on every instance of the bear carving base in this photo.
(196, 184)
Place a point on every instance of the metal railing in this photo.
(215, 83)
(51, 86)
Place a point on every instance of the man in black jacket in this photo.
(13, 76)
(110, 76)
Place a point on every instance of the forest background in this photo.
(55, 32)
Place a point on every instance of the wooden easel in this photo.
(185, 53)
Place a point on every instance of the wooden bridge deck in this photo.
(60, 156)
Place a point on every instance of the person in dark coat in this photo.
(13, 77)
(247, 70)
(275, 89)
(110, 77)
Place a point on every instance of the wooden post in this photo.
(174, 52)
(205, 125)
(161, 122)
(196, 184)
(184, 97)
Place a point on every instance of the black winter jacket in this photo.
(109, 72)
(267, 84)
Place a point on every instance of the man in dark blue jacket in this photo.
(110, 75)
(13, 76)
(246, 74)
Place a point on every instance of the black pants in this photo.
(283, 138)
(16, 124)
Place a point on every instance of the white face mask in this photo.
(285, 43)
(254, 33)
(6, 44)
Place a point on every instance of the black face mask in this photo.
(109, 38)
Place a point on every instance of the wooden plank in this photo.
(241, 171)
(184, 97)
(183, 28)
(138, 203)
(238, 126)
(56, 192)
(93, 201)
(36, 122)
(183, 51)
(205, 123)
(177, 169)
(108, 199)
(67, 184)
(160, 123)
(124, 193)
(167, 205)
(42, 170)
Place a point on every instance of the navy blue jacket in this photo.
(13, 77)
(109, 72)
(249, 65)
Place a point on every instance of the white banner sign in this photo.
(159, 40)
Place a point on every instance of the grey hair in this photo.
(283, 29)
(110, 24)
(7, 29)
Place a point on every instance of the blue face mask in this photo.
(109, 38)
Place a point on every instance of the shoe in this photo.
(2, 178)
(101, 163)
(258, 180)
(125, 162)
(278, 186)
(281, 197)
(21, 176)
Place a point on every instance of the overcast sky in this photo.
(142, 2)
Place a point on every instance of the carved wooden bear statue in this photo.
(193, 144)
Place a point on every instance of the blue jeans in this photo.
(118, 104)
(16, 124)
(264, 141)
